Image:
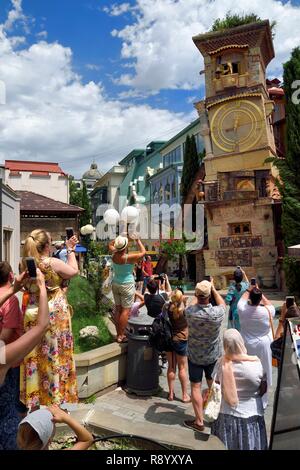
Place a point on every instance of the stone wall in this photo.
(255, 252)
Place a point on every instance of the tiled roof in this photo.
(254, 35)
(38, 204)
(40, 167)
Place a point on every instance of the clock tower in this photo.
(236, 122)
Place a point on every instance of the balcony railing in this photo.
(231, 80)
(213, 194)
(237, 195)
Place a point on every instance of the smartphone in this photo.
(207, 278)
(69, 232)
(289, 301)
(253, 281)
(31, 267)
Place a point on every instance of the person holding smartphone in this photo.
(123, 285)
(256, 319)
(48, 374)
(235, 292)
(289, 309)
(14, 352)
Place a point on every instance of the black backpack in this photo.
(160, 337)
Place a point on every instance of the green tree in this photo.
(174, 249)
(86, 205)
(80, 198)
(289, 172)
(75, 193)
(190, 166)
(233, 20)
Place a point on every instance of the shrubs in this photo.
(87, 312)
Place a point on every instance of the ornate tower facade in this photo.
(236, 122)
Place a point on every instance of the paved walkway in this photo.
(154, 417)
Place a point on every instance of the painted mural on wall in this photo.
(240, 242)
(234, 258)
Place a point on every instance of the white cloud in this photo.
(160, 38)
(117, 10)
(92, 67)
(16, 15)
(42, 35)
(50, 114)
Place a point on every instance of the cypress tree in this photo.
(289, 171)
(85, 204)
(190, 166)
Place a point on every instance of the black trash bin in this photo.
(142, 376)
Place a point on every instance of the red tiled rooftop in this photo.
(36, 203)
(276, 91)
(41, 167)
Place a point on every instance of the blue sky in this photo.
(92, 79)
(86, 28)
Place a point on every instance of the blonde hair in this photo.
(34, 245)
(176, 304)
(28, 438)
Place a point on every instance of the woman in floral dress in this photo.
(48, 373)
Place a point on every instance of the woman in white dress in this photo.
(256, 315)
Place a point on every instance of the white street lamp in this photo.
(111, 217)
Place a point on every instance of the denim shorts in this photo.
(180, 347)
(196, 371)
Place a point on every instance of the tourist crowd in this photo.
(242, 365)
(37, 367)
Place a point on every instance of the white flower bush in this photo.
(89, 331)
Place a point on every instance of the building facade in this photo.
(38, 212)
(90, 178)
(9, 224)
(43, 178)
(236, 124)
(106, 192)
(165, 182)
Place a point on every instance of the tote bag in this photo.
(212, 405)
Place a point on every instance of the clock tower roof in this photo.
(253, 35)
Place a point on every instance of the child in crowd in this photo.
(37, 430)
(138, 303)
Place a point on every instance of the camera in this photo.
(289, 301)
(207, 278)
(253, 281)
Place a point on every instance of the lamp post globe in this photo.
(130, 214)
(111, 217)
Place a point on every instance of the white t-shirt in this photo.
(254, 320)
(248, 376)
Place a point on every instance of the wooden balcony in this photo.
(214, 195)
(229, 81)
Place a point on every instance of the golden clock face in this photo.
(237, 126)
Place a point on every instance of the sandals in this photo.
(171, 399)
(187, 401)
(192, 425)
(122, 340)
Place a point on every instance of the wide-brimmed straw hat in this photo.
(121, 243)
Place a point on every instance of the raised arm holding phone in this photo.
(52, 363)
(123, 285)
(15, 352)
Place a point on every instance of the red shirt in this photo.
(11, 316)
(147, 266)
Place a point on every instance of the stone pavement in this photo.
(154, 417)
